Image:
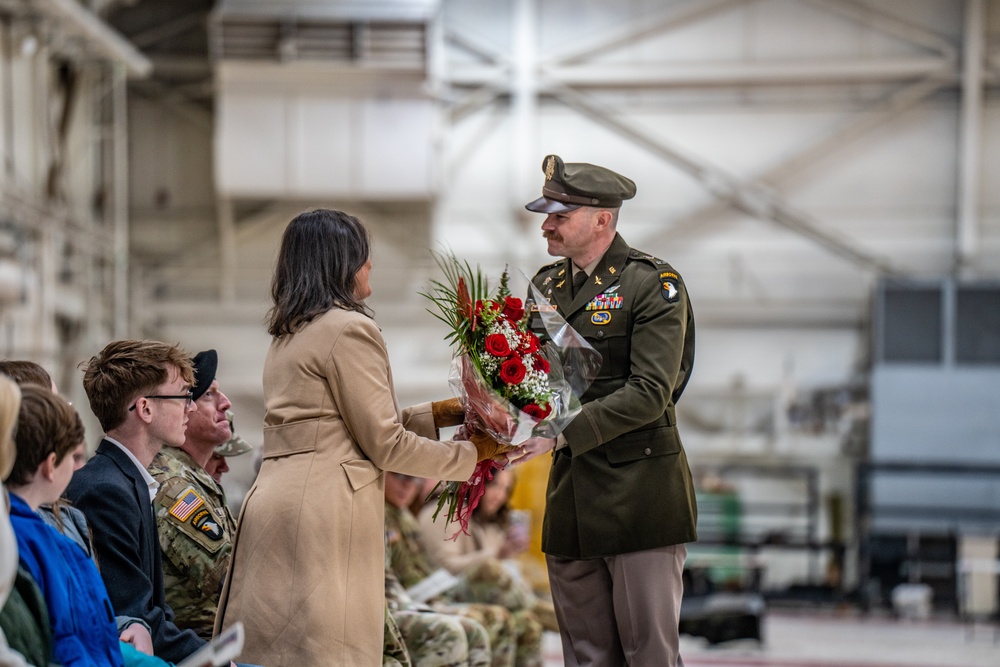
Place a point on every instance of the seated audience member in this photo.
(477, 556)
(432, 638)
(193, 520)
(139, 390)
(24, 619)
(60, 514)
(25, 372)
(515, 635)
(10, 402)
(218, 465)
(491, 535)
(83, 623)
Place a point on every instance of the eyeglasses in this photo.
(188, 399)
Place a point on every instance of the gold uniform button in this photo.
(647, 451)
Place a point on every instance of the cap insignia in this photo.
(550, 168)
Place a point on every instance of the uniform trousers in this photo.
(619, 611)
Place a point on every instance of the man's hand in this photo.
(531, 448)
(138, 636)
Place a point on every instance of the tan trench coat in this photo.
(307, 575)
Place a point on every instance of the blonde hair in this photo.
(10, 405)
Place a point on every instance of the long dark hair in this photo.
(321, 253)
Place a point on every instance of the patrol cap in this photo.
(569, 186)
(205, 365)
(235, 445)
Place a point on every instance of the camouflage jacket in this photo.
(196, 532)
(407, 557)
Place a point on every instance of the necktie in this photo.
(579, 280)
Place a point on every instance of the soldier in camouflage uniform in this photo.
(411, 564)
(195, 525)
(394, 653)
(435, 639)
(218, 465)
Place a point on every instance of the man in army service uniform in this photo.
(195, 526)
(620, 504)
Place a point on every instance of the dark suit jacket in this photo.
(113, 496)
(623, 483)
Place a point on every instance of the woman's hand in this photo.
(448, 413)
(489, 448)
(138, 636)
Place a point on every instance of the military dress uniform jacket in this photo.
(196, 535)
(622, 483)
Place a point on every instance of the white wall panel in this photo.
(395, 151)
(323, 132)
(292, 143)
(252, 144)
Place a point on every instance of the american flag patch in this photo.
(186, 504)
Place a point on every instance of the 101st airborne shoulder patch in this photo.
(670, 286)
(206, 524)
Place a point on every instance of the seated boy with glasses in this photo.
(140, 392)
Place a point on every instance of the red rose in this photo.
(540, 363)
(479, 307)
(513, 309)
(536, 411)
(512, 371)
(495, 307)
(497, 345)
(529, 343)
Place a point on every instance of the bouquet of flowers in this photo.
(513, 386)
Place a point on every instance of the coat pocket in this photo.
(360, 473)
(638, 445)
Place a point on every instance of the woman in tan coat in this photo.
(307, 574)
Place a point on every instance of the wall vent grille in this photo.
(388, 44)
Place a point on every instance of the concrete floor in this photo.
(825, 639)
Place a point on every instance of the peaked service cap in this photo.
(570, 185)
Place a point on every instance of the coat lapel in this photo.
(605, 274)
(128, 468)
(562, 287)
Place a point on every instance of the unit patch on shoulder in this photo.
(206, 523)
(186, 504)
(669, 286)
